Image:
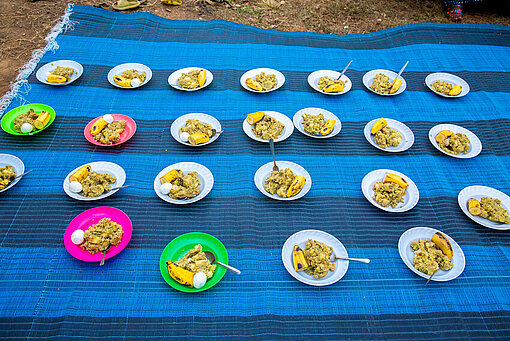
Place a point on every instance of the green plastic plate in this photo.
(8, 118)
(182, 244)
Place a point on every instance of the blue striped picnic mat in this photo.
(47, 294)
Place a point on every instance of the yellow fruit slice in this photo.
(255, 117)
(202, 77)
(443, 244)
(381, 123)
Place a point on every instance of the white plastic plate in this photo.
(476, 145)
(300, 238)
(181, 122)
(99, 167)
(119, 69)
(280, 78)
(298, 121)
(172, 79)
(407, 254)
(14, 162)
(264, 171)
(407, 135)
(410, 198)
(447, 77)
(204, 176)
(477, 192)
(313, 81)
(368, 79)
(44, 71)
(287, 130)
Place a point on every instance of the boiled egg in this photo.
(165, 188)
(184, 136)
(75, 187)
(135, 82)
(108, 118)
(77, 237)
(199, 280)
(26, 127)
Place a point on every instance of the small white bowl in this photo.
(280, 78)
(181, 122)
(298, 121)
(287, 130)
(313, 81)
(476, 144)
(407, 135)
(16, 164)
(172, 79)
(368, 79)
(447, 77)
(264, 171)
(477, 192)
(44, 71)
(119, 69)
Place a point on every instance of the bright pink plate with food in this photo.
(90, 217)
(128, 132)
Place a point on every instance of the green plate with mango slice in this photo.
(182, 244)
(7, 122)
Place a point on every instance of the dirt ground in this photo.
(25, 24)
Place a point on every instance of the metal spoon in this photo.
(333, 258)
(104, 254)
(271, 145)
(428, 280)
(115, 188)
(344, 70)
(211, 258)
(399, 73)
(19, 176)
(214, 132)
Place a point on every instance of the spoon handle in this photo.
(19, 176)
(228, 267)
(341, 74)
(402, 70)
(362, 260)
(115, 188)
(271, 145)
(102, 259)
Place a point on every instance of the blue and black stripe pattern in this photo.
(47, 294)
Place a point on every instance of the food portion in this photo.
(391, 191)
(314, 259)
(78, 237)
(267, 127)
(193, 79)
(178, 185)
(30, 120)
(446, 88)
(7, 175)
(489, 208)
(330, 85)
(130, 78)
(90, 183)
(107, 131)
(384, 136)
(262, 82)
(453, 143)
(196, 132)
(99, 237)
(381, 84)
(317, 125)
(193, 269)
(430, 256)
(60, 75)
(284, 183)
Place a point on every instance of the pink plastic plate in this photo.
(126, 134)
(90, 217)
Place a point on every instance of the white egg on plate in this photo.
(199, 280)
(184, 136)
(77, 237)
(135, 82)
(165, 188)
(26, 127)
(108, 118)
(75, 187)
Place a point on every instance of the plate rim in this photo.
(110, 75)
(301, 194)
(470, 134)
(262, 69)
(401, 247)
(247, 127)
(389, 209)
(308, 231)
(208, 80)
(38, 75)
(66, 182)
(388, 73)
(211, 140)
(485, 222)
(206, 189)
(3, 120)
(15, 181)
(368, 135)
(347, 88)
(88, 136)
(297, 119)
